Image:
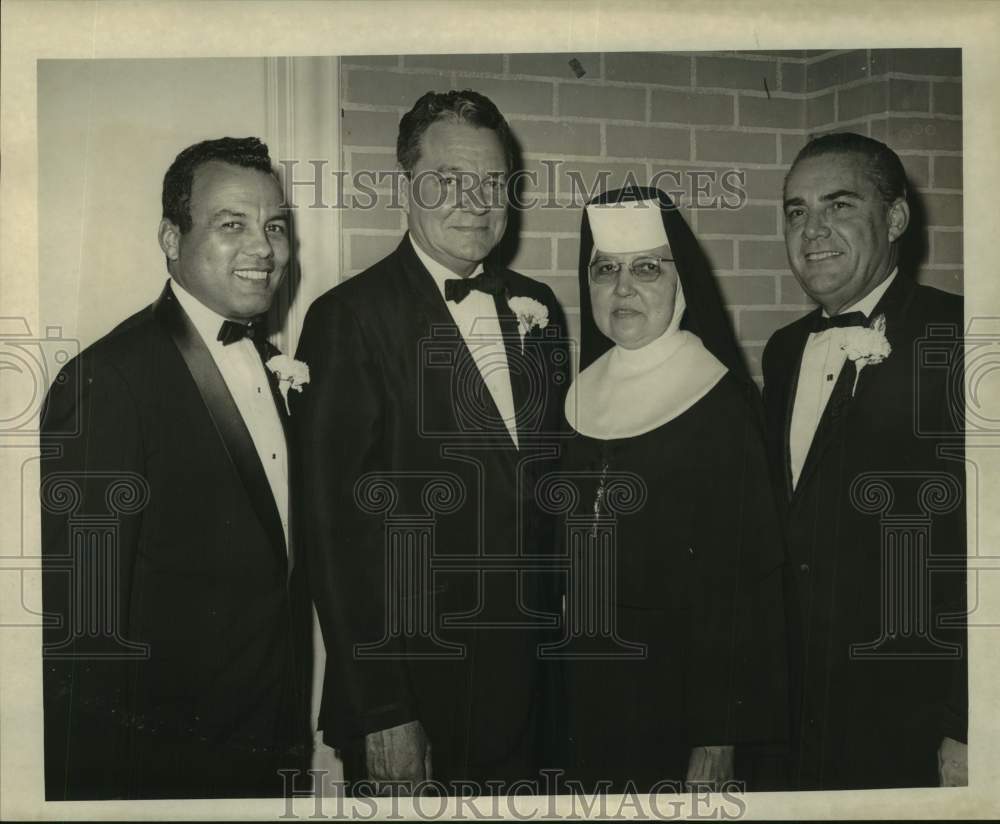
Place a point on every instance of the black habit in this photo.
(698, 572)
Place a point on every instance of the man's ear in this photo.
(899, 219)
(169, 235)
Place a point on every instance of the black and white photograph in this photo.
(434, 410)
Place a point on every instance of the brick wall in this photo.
(910, 99)
(649, 113)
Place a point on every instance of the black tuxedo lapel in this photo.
(267, 351)
(516, 363)
(893, 304)
(433, 314)
(224, 413)
(843, 400)
(792, 387)
(430, 306)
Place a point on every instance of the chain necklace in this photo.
(599, 497)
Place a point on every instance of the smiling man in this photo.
(174, 658)
(426, 383)
(861, 427)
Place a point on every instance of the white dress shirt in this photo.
(477, 322)
(247, 381)
(822, 360)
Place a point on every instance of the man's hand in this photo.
(710, 766)
(953, 763)
(398, 754)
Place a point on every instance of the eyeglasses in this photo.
(643, 269)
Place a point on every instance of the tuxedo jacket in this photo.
(875, 533)
(175, 641)
(405, 458)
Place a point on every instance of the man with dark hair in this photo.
(467, 107)
(176, 645)
(865, 417)
(246, 152)
(437, 378)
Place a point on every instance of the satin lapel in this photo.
(269, 350)
(434, 314)
(518, 366)
(224, 413)
(799, 346)
(893, 305)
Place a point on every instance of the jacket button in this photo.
(803, 568)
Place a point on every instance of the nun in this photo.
(695, 667)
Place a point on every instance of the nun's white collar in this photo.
(628, 392)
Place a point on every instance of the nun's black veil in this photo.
(705, 316)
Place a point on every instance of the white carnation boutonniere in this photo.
(291, 374)
(530, 315)
(866, 345)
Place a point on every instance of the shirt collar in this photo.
(868, 303)
(438, 271)
(207, 321)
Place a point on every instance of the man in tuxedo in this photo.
(434, 406)
(866, 435)
(173, 656)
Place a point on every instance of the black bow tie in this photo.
(821, 324)
(231, 331)
(457, 289)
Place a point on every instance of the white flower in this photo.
(291, 374)
(866, 346)
(530, 314)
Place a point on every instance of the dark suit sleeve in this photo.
(766, 361)
(86, 577)
(338, 423)
(955, 712)
(775, 374)
(771, 366)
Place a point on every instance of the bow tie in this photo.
(821, 324)
(231, 331)
(457, 289)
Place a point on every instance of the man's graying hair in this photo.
(248, 152)
(458, 107)
(882, 164)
